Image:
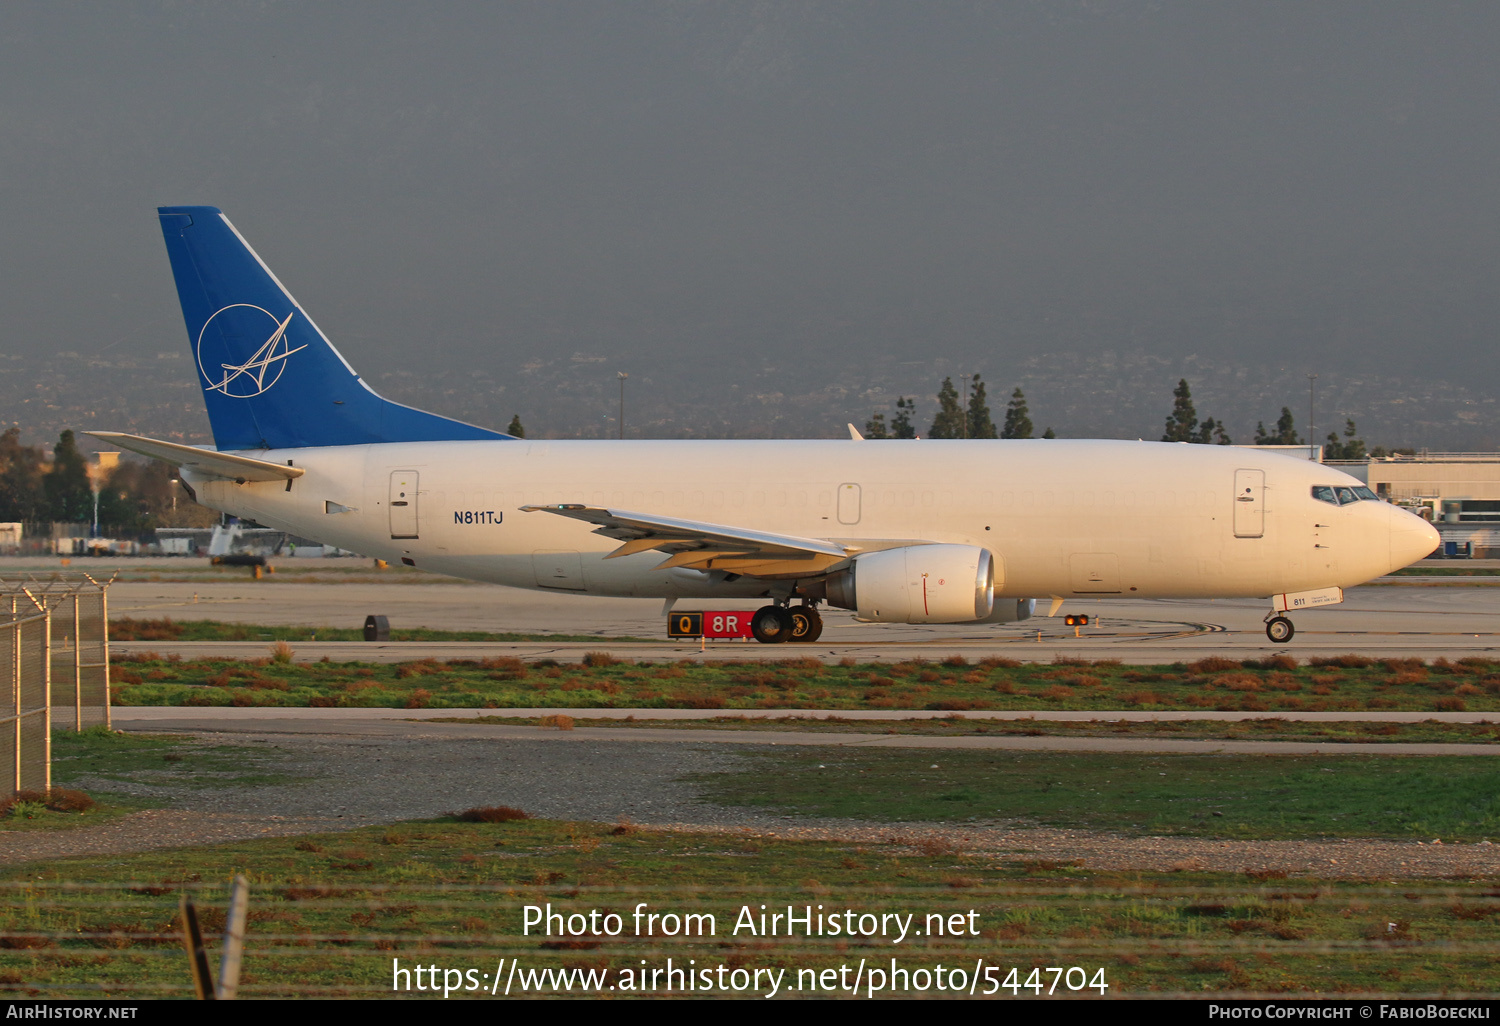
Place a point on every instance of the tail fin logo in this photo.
(265, 365)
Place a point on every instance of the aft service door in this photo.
(404, 504)
(1249, 503)
(848, 503)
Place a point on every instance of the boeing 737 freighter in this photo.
(915, 532)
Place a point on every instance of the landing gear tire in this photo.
(1280, 630)
(807, 624)
(772, 625)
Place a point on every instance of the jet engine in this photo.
(1010, 610)
(917, 584)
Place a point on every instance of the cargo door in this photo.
(557, 569)
(1095, 573)
(1249, 503)
(404, 504)
(848, 503)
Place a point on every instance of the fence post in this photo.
(47, 703)
(17, 663)
(192, 942)
(104, 641)
(77, 668)
(234, 939)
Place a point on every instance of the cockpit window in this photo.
(1343, 496)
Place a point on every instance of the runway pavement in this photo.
(1423, 617)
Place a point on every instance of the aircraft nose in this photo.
(1412, 538)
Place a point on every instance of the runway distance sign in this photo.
(711, 624)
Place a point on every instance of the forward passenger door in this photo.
(1249, 503)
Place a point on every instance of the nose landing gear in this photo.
(1279, 629)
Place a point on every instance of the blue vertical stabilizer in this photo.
(270, 379)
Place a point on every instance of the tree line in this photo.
(956, 419)
(135, 497)
(1183, 426)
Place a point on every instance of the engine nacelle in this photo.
(1009, 611)
(918, 584)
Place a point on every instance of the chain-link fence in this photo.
(79, 609)
(25, 715)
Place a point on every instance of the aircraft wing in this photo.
(205, 461)
(704, 546)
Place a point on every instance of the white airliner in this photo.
(899, 531)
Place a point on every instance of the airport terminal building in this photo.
(1458, 491)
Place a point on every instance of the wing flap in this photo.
(205, 461)
(703, 546)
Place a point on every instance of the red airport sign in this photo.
(710, 624)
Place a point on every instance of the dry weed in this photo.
(492, 814)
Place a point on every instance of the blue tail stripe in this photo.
(270, 378)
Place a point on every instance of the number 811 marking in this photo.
(1034, 981)
(477, 516)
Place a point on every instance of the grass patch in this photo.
(329, 912)
(123, 773)
(57, 809)
(1337, 732)
(1243, 797)
(1278, 683)
(129, 768)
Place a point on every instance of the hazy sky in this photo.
(804, 189)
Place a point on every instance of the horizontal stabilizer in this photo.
(204, 461)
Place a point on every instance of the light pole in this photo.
(1312, 433)
(965, 408)
(622, 376)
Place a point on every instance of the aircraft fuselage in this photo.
(1061, 517)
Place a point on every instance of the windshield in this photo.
(1342, 495)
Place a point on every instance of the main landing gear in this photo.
(807, 625)
(1279, 629)
(772, 625)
